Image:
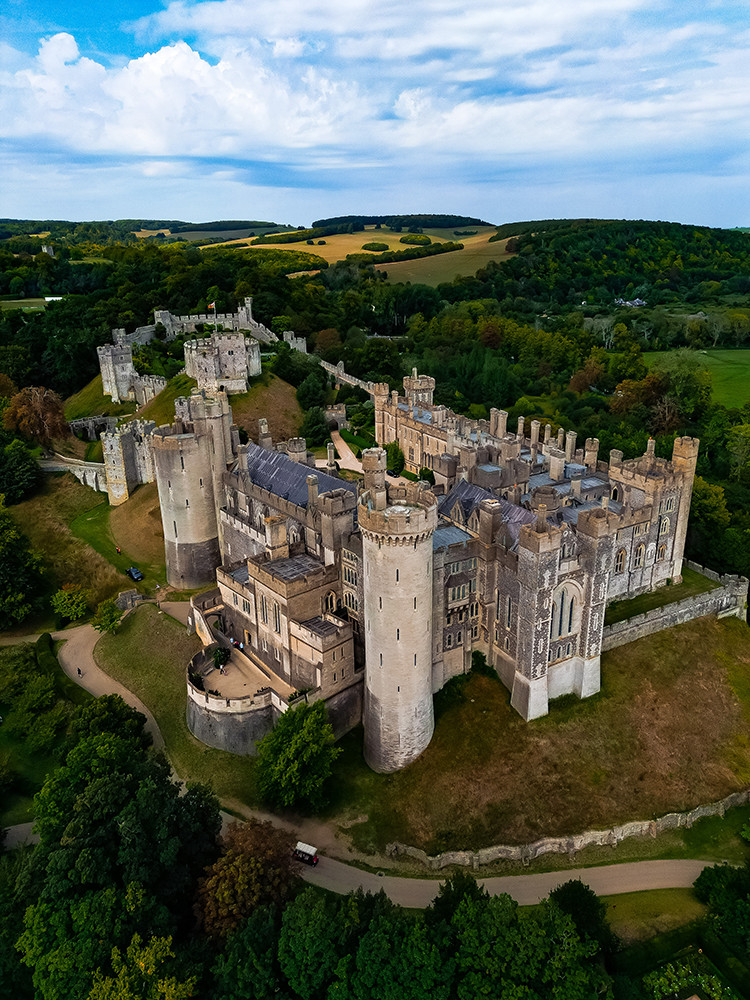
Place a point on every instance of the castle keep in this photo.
(371, 597)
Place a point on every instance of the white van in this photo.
(306, 853)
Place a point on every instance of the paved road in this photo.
(609, 880)
(347, 458)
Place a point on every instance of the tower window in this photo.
(639, 554)
(381, 659)
(187, 503)
(620, 561)
(398, 634)
(396, 576)
(182, 463)
(175, 528)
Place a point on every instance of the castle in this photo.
(372, 596)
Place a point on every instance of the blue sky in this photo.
(291, 110)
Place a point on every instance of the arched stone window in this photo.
(620, 561)
(331, 601)
(640, 553)
(664, 526)
(662, 553)
(616, 494)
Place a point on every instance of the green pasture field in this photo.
(731, 374)
(27, 304)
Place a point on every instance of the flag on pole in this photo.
(211, 305)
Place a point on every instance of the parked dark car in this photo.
(134, 573)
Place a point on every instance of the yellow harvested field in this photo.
(477, 252)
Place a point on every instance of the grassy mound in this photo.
(91, 401)
(668, 731)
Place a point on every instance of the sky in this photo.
(293, 110)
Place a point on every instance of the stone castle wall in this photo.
(570, 845)
(729, 599)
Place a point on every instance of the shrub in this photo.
(416, 239)
(377, 247)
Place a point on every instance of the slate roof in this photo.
(277, 473)
(470, 496)
(448, 534)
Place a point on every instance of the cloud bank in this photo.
(360, 102)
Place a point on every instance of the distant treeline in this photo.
(404, 221)
(544, 226)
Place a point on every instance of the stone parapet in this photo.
(569, 845)
(729, 599)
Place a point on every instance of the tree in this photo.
(738, 444)
(396, 457)
(294, 760)
(143, 972)
(311, 392)
(109, 714)
(314, 427)
(589, 913)
(20, 572)
(256, 867)
(108, 617)
(71, 601)
(37, 413)
(19, 471)
(249, 968)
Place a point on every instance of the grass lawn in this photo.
(692, 584)
(32, 305)
(135, 527)
(272, 398)
(667, 732)
(91, 401)
(149, 655)
(638, 916)
(731, 374)
(46, 518)
(161, 408)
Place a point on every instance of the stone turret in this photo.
(397, 555)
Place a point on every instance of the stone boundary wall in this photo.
(570, 845)
(728, 599)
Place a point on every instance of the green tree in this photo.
(294, 760)
(109, 714)
(256, 867)
(689, 379)
(311, 392)
(146, 971)
(589, 913)
(396, 458)
(738, 445)
(314, 427)
(249, 967)
(71, 601)
(20, 572)
(19, 471)
(108, 617)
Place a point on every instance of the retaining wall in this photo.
(728, 599)
(570, 845)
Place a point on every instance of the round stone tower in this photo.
(397, 525)
(190, 459)
(184, 477)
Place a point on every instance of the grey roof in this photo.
(448, 534)
(425, 417)
(470, 496)
(489, 467)
(320, 625)
(240, 574)
(277, 473)
(292, 568)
